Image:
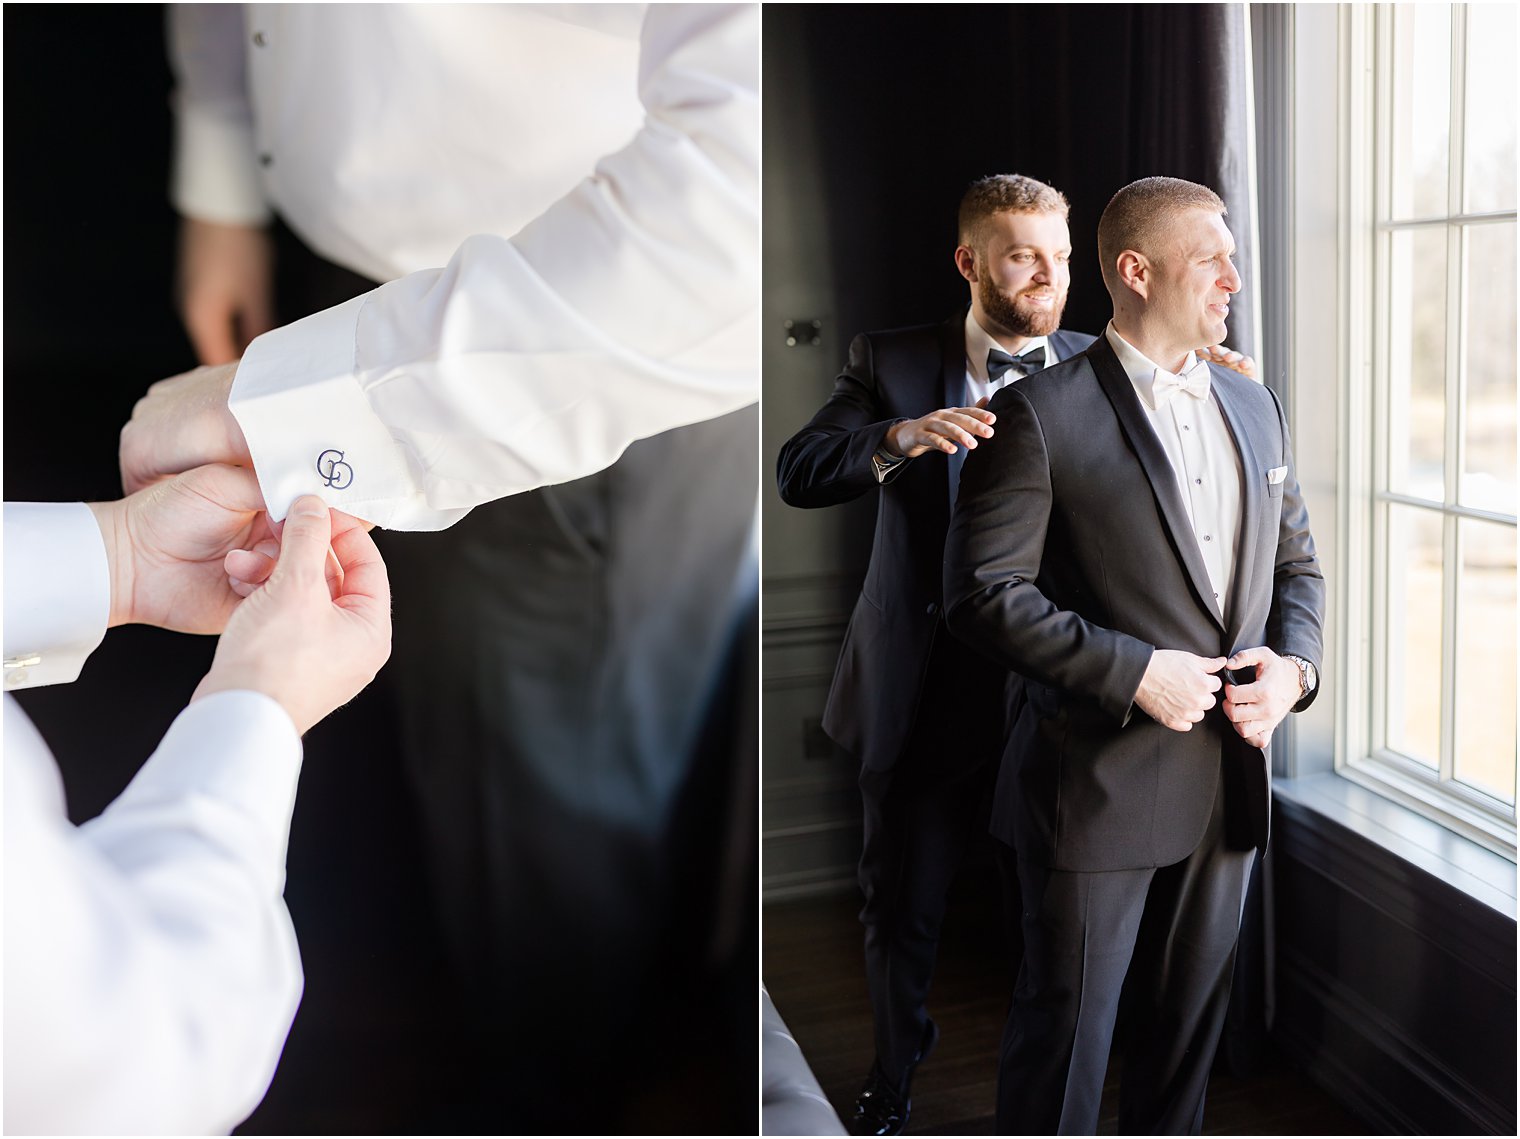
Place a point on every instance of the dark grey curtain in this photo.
(1188, 81)
(907, 104)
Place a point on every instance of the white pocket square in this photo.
(1276, 475)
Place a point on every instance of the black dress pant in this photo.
(1172, 931)
(921, 815)
(565, 665)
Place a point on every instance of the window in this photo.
(1438, 350)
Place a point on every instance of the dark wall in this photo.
(1395, 990)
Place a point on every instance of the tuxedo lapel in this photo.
(1158, 468)
(952, 390)
(1251, 499)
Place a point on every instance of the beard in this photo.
(1005, 311)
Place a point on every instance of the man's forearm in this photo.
(824, 465)
(1015, 625)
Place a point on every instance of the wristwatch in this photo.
(884, 464)
(1308, 675)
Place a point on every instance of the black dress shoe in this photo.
(880, 1109)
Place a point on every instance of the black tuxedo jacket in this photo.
(891, 376)
(1069, 559)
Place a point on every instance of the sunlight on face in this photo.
(1024, 272)
(1192, 281)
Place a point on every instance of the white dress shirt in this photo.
(151, 971)
(1204, 461)
(586, 175)
(57, 591)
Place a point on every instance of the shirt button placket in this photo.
(261, 40)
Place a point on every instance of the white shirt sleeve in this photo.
(57, 591)
(214, 175)
(151, 971)
(629, 307)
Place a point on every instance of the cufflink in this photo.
(16, 666)
(334, 471)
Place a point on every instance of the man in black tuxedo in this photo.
(1133, 530)
(922, 713)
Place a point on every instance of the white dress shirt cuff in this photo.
(57, 591)
(215, 173)
(254, 773)
(311, 429)
(886, 466)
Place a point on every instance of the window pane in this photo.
(1417, 362)
(1421, 121)
(1488, 457)
(1486, 659)
(1414, 633)
(1489, 140)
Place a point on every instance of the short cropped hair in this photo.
(1005, 194)
(1137, 214)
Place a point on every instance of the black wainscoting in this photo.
(1395, 990)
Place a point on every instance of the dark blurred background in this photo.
(385, 1041)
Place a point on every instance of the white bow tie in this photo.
(1194, 381)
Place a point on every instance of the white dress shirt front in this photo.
(1204, 461)
(587, 176)
(151, 971)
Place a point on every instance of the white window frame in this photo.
(1343, 457)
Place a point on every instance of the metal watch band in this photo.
(1308, 678)
(883, 463)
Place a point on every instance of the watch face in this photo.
(1306, 676)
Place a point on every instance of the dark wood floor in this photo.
(814, 972)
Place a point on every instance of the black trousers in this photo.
(1172, 931)
(921, 816)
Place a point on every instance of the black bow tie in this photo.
(1026, 365)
